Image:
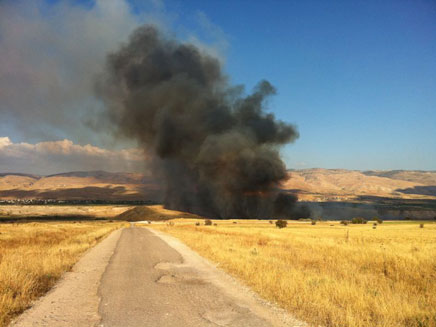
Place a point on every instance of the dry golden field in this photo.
(86, 211)
(328, 274)
(34, 255)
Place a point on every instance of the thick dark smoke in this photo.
(216, 149)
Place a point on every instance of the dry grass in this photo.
(34, 255)
(97, 211)
(328, 275)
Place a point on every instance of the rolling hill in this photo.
(92, 185)
(343, 185)
(310, 184)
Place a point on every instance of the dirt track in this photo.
(151, 280)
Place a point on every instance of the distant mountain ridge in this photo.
(421, 176)
(79, 185)
(315, 184)
(342, 184)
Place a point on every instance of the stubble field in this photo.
(327, 274)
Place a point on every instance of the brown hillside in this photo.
(96, 185)
(340, 184)
(310, 184)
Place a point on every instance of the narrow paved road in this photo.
(139, 277)
(145, 284)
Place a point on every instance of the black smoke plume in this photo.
(216, 150)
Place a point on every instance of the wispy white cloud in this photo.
(213, 39)
(64, 155)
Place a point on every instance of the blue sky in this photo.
(358, 78)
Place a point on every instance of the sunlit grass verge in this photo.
(328, 274)
(34, 255)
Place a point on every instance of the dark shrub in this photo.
(235, 222)
(281, 223)
(344, 222)
(358, 220)
(421, 225)
(197, 224)
(313, 222)
(272, 221)
(208, 222)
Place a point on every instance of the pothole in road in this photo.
(172, 279)
(167, 279)
(179, 273)
(223, 317)
(164, 265)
